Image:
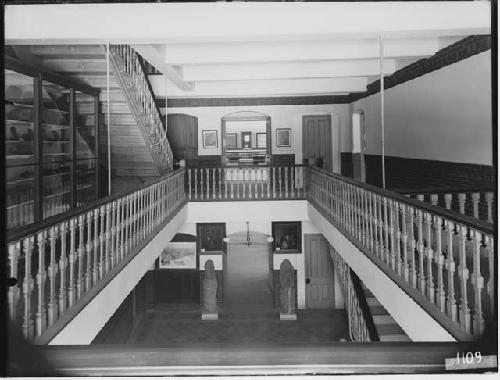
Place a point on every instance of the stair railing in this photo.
(361, 326)
(442, 259)
(56, 266)
(129, 70)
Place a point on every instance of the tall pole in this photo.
(108, 118)
(382, 115)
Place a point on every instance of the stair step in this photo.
(383, 319)
(394, 338)
(389, 329)
(377, 310)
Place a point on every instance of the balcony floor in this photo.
(174, 324)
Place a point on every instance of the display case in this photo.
(51, 143)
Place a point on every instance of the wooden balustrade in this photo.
(361, 326)
(439, 257)
(245, 183)
(130, 72)
(479, 204)
(57, 263)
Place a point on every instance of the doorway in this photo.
(246, 290)
(319, 273)
(317, 140)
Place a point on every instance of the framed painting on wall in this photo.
(231, 140)
(178, 255)
(283, 137)
(210, 139)
(261, 140)
(287, 237)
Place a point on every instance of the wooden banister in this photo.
(65, 260)
(440, 258)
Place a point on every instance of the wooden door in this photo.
(182, 133)
(317, 139)
(319, 273)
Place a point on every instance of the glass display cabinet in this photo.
(51, 143)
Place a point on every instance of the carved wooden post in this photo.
(463, 275)
(210, 285)
(14, 253)
(489, 202)
(28, 285)
(477, 284)
(287, 291)
(450, 267)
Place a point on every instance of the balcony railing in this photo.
(246, 183)
(57, 263)
(479, 204)
(443, 260)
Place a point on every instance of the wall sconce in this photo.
(226, 240)
(270, 239)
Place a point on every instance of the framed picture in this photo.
(178, 255)
(283, 137)
(261, 140)
(287, 237)
(231, 139)
(210, 139)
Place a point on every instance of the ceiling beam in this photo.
(151, 54)
(147, 23)
(314, 86)
(262, 52)
(287, 70)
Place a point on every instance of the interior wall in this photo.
(282, 116)
(444, 115)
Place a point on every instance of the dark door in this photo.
(317, 140)
(182, 133)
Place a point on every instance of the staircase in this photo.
(131, 157)
(387, 328)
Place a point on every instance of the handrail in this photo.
(443, 260)
(454, 216)
(19, 233)
(59, 266)
(443, 190)
(139, 94)
(361, 325)
(150, 87)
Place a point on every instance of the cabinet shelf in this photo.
(18, 156)
(20, 181)
(11, 103)
(56, 141)
(19, 204)
(57, 126)
(55, 195)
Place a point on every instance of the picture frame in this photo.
(262, 140)
(287, 237)
(178, 255)
(231, 140)
(210, 140)
(283, 137)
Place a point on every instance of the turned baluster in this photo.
(380, 226)
(386, 232)
(431, 291)
(286, 181)
(447, 201)
(355, 202)
(412, 246)
(28, 286)
(404, 237)
(392, 233)
(41, 314)
(72, 261)
(196, 183)
(477, 284)
(399, 263)
(421, 252)
(420, 197)
(490, 253)
(189, 184)
(108, 248)
(280, 179)
(463, 275)
(88, 249)
(52, 272)
(489, 202)
(119, 230)
(202, 182)
(80, 251)
(101, 242)
(372, 221)
(441, 296)
(450, 268)
(475, 204)
(461, 202)
(434, 199)
(219, 171)
(292, 181)
(213, 182)
(63, 228)
(350, 210)
(13, 296)
(95, 242)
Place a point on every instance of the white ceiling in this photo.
(258, 49)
